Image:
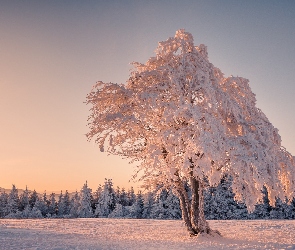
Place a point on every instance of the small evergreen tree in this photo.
(36, 213)
(136, 209)
(123, 198)
(148, 205)
(173, 206)
(33, 198)
(24, 199)
(139, 205)
(3, 204)
(85, 209)
(41, 206)
(75, 203)
(159, 209)
(67, 203)
(281, 210)
(119, 212)
(107, 200)
(52, 208)
(131, 197)
(60, 205)
(262, 209)
(12, 201)
(220, 203)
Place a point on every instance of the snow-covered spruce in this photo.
(183, 121)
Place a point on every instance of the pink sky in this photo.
(53, 52)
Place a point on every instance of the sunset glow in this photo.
(53, 52)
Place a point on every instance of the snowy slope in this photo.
(142, 234)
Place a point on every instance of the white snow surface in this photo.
(142, 234)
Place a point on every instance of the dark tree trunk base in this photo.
(213, 233)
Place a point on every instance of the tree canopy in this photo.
(180, 118)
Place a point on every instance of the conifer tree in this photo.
(148, 205)
(96, 196)
(160, 207)
(107, 200)
(52, 208)
(75, 204)
(24, 199)
(123, 198)
(33, 198)
(67, 203)
(41, 205)
(60, 205)
(281, 210)
(172, 202)
(131, 197)
(12, 201)
(139, 205)
(85, 209)
(3, 204)
(262, 208)
(220, 203)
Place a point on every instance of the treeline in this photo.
(108, 202)
(105, 202)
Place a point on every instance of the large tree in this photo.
(182, 121)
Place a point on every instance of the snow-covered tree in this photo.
(67, 203)
(35, 212)
(107, 200)
(220, 203)
(123, 198)
(85, 209)
(119, 212)
(263, 207)
(33, 198)
(165, 206)
(148, 205)
(12, 204)
(75, 204)
(63, 204)
(172, 202)
(60, 205)
(135, 208)
(96, 196)
(52, 207)
(24, 199)
(182, 120)
(160, 208)
(282, 210)
(139, 205)
(3, 204)
(131, 197)
(41, 206)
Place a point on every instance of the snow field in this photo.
(102, 233)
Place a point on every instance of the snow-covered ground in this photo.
(142, 234)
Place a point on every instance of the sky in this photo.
(53, 52)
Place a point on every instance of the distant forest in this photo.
(110, 202)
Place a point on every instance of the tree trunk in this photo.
(193, 209)
(198, 220)
(185, 206)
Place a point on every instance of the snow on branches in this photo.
(179, 117)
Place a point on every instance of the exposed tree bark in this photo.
(198, 220)
(195, 203)
(185, 205)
